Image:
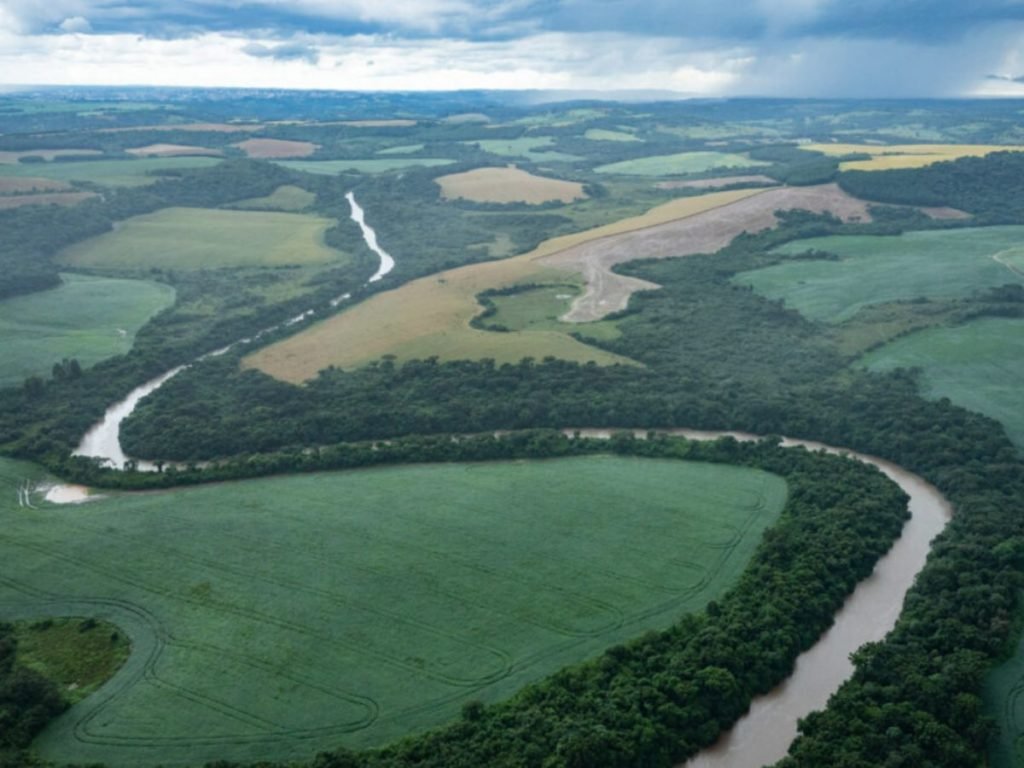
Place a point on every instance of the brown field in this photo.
(15, 185)
(721, 181)
(278, 149)
(378, 123)
(885, 157)
(430, 316)
(508, 185)
(172, 150)
(706, 231)
(9, 158)
(52, 198)
(195, 127)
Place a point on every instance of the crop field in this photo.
(720, 181)
(508, 185)
(195, 127)
(285, 198)
(404, 149)
(7, 158)
(530, 147)
(172, 150)
(391, 123)
(377, 165)
(51, 198)
(978, 365)
(886, 157)
(431, 315)
(540, 309)
(679, 164)
(601, 134)
(1004, 702)
(273, 618)
(279, 148)
(88, 318)
(108, 173)
(13, 185)
(875, 269)
(202, 238)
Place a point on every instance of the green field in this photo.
(875, 269)
(379, 165)
(530, 147)
(979, 365)
(405, 149)
(204, 238)
(273, 618)
(87, 318)
(285, 198)
(108, 173)
(600, 134)
(1004, 702)
(539, 310)
(680, 164)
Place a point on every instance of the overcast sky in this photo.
(700, 47)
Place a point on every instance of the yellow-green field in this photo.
(431, 316)
(679, 164)
(508, 185)
(601, 134)
(201, 238)
(285, 198)
(107, 173)
(886, 157)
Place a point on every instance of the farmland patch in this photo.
(885, 157)
(172, 150)
(679, 164)
(108, 173)
(373, 165)
(508, 185)
(277, 148)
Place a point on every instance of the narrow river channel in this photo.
(763, 735)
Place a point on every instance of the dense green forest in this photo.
(28, 701)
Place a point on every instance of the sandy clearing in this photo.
(944, 213)
(199, 127)
(508, 185)
(172, 150)
(721, 181)
(278, 149)
(10, 158)
(705, 232)
(52, 198)
(15, 185)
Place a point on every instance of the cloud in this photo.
(76, 25)
(283, 52)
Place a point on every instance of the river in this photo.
(763, 735)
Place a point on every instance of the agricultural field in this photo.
(377, 165)
(875, 269)
(50, 198)
(532, 148)
(403, 149)
(172, 150)
(886, 157)
(277, 148)
(13, 185)
(86, 318)
(508, 185)
(679, 164)
(274, 618)
(202, 238)
(8, 158)
(978, 365)
(1004, 701)
(539, 309)
(602, 134)
(287, 198)
(107, 173)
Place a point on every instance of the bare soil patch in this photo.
(277, 148)
(508, 185)
(172, 150)
(704, 232)
(14, 185)
(716, 183)
(944, 213)
(54, 198)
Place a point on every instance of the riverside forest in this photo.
(379, 430)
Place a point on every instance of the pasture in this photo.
(13, 185)
(679, 164)
(277, 617)
(508, 185)
(50, 198)
(978, 365)
(375, 165)
(203, 238)
(539, 309)
(107, 173)
(276, 148)
(404, 149)
(87, 318)
(532, 148)
(431, 315)
(286, 198)
(7, 158)
(885, 157)
(601, 134)
(876, 269)
(172, 150)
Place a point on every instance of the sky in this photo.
(799, 48)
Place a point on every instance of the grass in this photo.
(52, 198)
(1004, 702)
(87, 318)
(601, 134)
(46, 154)
(286, 198)
(405, 149)
(78, 654)
(539, 310)
(679, 164)
(13, 185)
(431, 315)
(378, 165)
(203, 238)
(890, 156)
(978, 365)
(508, 185)
(267, 148)
(530, 147)
(876, 269)
(108, 173)
(274, 618)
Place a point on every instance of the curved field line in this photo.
(998, 259)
